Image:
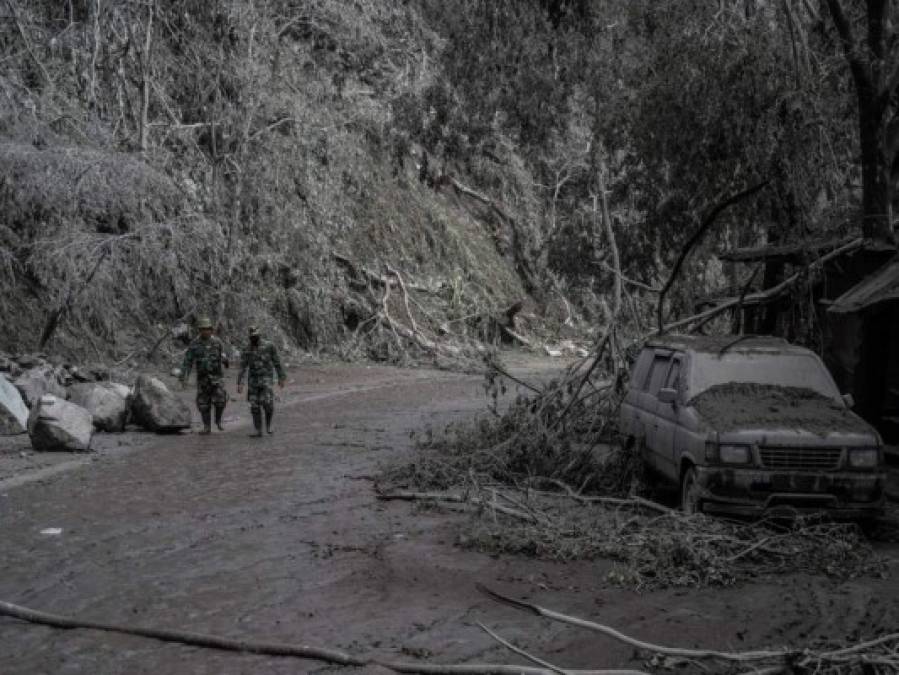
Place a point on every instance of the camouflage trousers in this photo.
(261, 396)
(211, 392)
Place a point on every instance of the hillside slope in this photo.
(168, 159)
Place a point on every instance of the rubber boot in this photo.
(257, 423)
(219, 409)
(207, 421)
(269, 413)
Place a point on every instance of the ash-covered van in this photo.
(751, 425)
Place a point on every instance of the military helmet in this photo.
(254, 331)
(204, 322)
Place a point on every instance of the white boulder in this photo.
(156, 408)
(58, 425)
(107, 402)
(13, 411)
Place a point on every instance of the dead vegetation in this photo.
(653, 546)
(158, 163)
(400, 320)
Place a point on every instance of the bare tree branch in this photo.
(610, 234)
(517, 650)
(767, 294)
(145, 79)
(738, 657)
(631, 282)
(700, 232)
(59, 313)
(860, 72)
(876, 23)
(28, 47)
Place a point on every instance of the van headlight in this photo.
(733, 454)
(864, 458)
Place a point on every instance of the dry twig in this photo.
(882, 651)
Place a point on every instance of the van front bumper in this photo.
(752, 491)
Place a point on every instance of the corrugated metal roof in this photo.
(881, 286)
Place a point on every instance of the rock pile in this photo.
(60, 405)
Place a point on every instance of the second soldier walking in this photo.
(259, 361)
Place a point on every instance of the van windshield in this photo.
(785, 370)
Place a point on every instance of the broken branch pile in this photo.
(653, 545)
(562, 431)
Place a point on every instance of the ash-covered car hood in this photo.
(735, 406)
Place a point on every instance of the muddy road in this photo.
(282, 539)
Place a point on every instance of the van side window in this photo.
(673, 379)
(641, 368)
(656, 374)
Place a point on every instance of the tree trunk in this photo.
(876, 79)
(876, 225)
(144, 121)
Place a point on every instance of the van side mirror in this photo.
(849, 400)
(668, 395)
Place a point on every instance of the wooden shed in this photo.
(863, 349)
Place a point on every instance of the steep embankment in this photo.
(161, 160)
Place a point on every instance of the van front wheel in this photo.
(690, 491)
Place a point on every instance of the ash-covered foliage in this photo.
(164, 160)
(465, 144)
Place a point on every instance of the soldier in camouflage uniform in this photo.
(260, 359)
(208, 354)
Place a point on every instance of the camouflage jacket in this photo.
(258, 363)
(209, 358)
